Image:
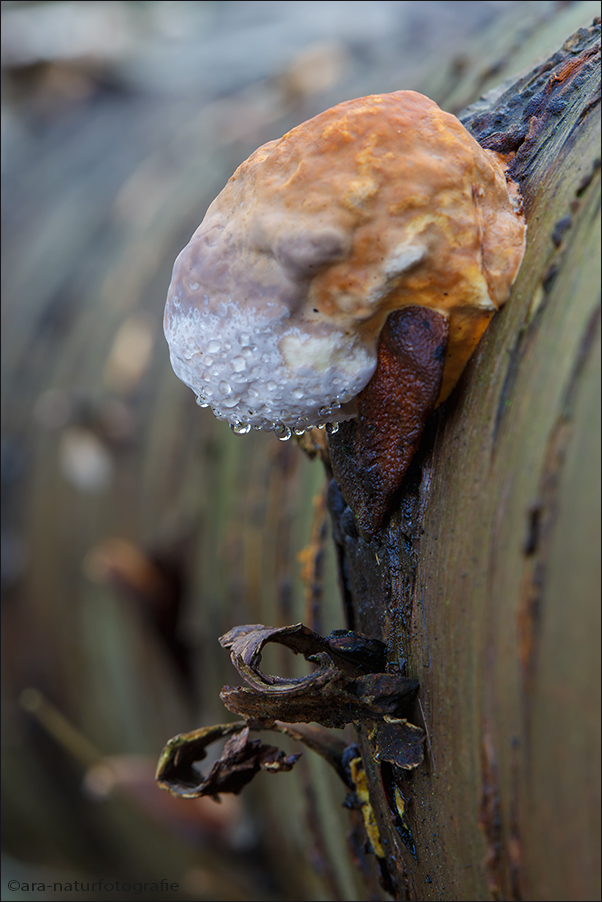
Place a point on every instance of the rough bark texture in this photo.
(486, 581)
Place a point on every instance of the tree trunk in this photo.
(486, 580)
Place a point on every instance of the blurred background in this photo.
(136, 529)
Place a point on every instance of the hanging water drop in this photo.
(282, 432)
(332, 428)
(240, 428)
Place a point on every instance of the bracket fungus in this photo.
(277, 303)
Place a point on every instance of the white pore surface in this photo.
(253, 369)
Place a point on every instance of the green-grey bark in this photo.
(487, 579)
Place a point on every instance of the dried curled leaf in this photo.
(240, 760)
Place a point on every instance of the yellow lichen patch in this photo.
(400, 804)
(358, 775)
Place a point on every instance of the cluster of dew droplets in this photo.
(221, 392)
(282, 432)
